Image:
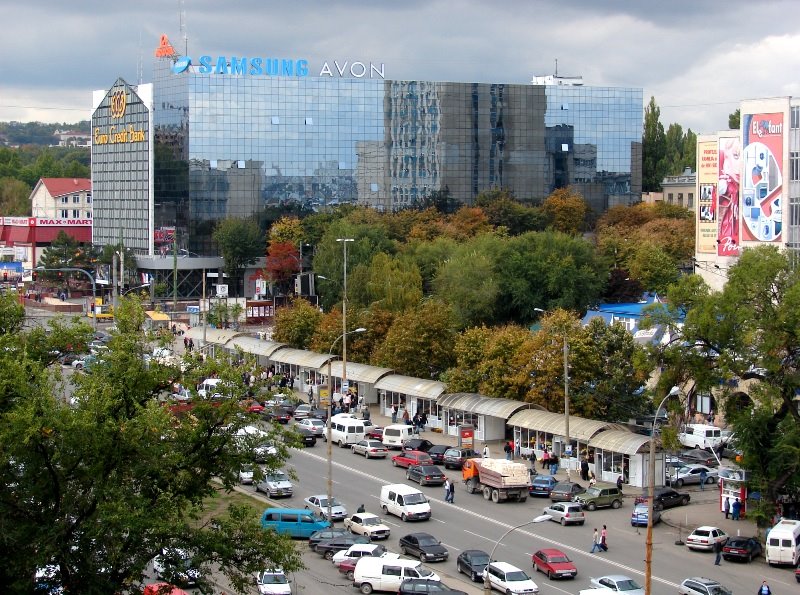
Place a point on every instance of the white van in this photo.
(395, 435)
(783, 543)
(700, 436)
(210, 388)
(406, 502)
(346, 429)
(376, 574)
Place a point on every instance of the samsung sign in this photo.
(244, 66)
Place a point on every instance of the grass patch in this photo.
(217, 504)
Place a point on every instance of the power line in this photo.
(71, 109)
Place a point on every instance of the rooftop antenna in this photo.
(182, 19)
(139, 67)
(556, 66)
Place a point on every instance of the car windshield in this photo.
(278, 476)
(423, 572)
(702, 532)
(718, 590)
(452, 453)
(428, 540)
(627, 585)
(684, 470)
(428, 469)
(416, 498)
(559, 559)
(516, 576)
(378, 551)
(373, 520)
(274, 579)
(480, 559)
(593, 491)
(324, 502)
(375, 444)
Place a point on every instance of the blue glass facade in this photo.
(227, 145)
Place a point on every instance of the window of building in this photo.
(690, 201)
(680, 199)
(64, 213)
(88, 214)
(670, 198)
(76, 199)
(794, 166)
(796, 116)
(64, 200)
(88, 199)
(76, 214)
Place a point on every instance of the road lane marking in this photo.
(575, 550)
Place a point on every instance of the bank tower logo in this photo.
(181, 64)
(118, 102)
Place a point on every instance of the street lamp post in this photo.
(651, 488)
(487, 585)
(343, 336)
(344, 311)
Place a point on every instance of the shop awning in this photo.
(481, 404)
(254, 345)
(628, 443)
(157, 316)
(300, 357)
(408, 385)
(216, 336)
(356, 372)
(553, 423)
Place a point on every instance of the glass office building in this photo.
(229, 144)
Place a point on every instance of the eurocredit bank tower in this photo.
(223, 136)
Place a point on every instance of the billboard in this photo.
(707, 175)
(729, 168)
(762, 182)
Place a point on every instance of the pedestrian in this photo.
(718, 552)
(405, 417)
(553, 464)
(736, 508)
(485, 451)
(361, 509)
(595, 542)
(726, 507)
(394, 413)
(703, 478)
(186, 343)
(592, 479)
(423, 421)
(619, 483)
(191, 344)
(452, 492)
(764, 589)
(508, 450)
(545, 459)
(585, 469)
(447, 489)
(603, 535)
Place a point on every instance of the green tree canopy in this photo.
(296, 324)
(240, 243)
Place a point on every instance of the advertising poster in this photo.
(707, 172)
(762, 184)
(729, 163)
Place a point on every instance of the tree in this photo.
(734, 119)
(14, 198)
(240, 244)
(653, 268)
(296, 324)
(286, 229)
(653, 149)
(503, 211)
(419, 342)
(95, 489)
(566, 211)
(66, 252)
(394, 284)
(283, 263)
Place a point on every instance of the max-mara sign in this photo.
(42, 222)
(244, 66)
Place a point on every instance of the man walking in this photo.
(736, 508)
(603, 535)
(718, 552)
(507, 449)
(485, 451)
(703, 478)
(451, 492)
(447, 489)
(726, 507)
(595, 542)
(764, 589)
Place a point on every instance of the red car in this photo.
(348, 568)
(554, 563)
(375, 432)
(411, 457)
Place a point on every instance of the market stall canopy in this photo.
(300, 358)
(408, 385)
(481, 404)
(157, 316)
(255, 346)
(357, 372)
(628, 443)
(216, 336)
(553, 423)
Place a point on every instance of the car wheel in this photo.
(385, 510)
(408, 477)
(403, 550)
(403, 517)
(591, 506)
(350, 575)
(684, 501)
(394, 463)
(563, 521)
(616, 504)
(366, 588)
(329, 555)
(366, 455)
(678, 483)
(423, 558)
(710, 480)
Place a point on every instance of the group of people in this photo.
(449, 490)
(599, 540)
(734, 509)
(418, 422)
(188, 343)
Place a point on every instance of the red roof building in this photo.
(62, 198)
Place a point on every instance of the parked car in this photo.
(565, 491)
(422, 585)
(407, 458)
(703, 538)
(348, 568)
(423, 546)
(425, 475)
(319, 504)
(371, 449)
(700, 585)
(566, 513)
(273, 581)
(175, 565)
(316, 426)
(275, 485)
(375, 432)
(363, 550)
(324, 535)
(366, 523)
(691, 474)
(672, 465)
(667, 497)
(306, 436)
(302, 411)
(598, 496)
(246, 474)
(277, 414)
(542, 485)
(454, 457)
(619, 583)
(554, 563)
(419, 444)
(67, 359)
(640, 513)
(700, 457)
(329, 547)
(472, 563)
(742, 549)
(507, 578)
(436, 452)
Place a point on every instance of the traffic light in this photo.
(60, 274)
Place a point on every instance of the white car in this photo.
(619, 583)
(509, 579)
(313, 425)
(566, 513)
(275, 484)
(319, 504)
(302, 411)
(704, 538)
(246, 474)
(366, 523)
(362, 550)
(175, 565)
(273, 581)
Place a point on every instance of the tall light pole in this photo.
(343, 336)
(566, 395)
(487, 585)
(344, 313)
(651, 488)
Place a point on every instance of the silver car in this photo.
(313, 425)
(566, 513)
(692, 474)
(319, 504)
(275, 484)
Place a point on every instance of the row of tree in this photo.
(37, 133)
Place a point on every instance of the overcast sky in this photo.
(699, 58)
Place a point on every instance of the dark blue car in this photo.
(542, 485)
